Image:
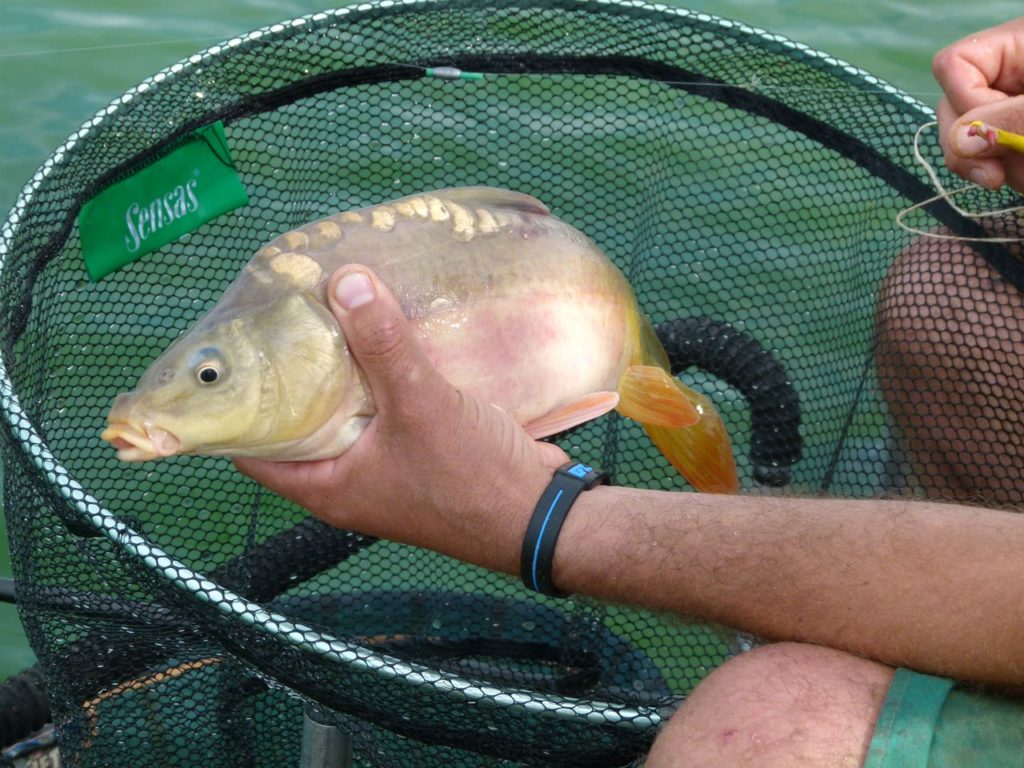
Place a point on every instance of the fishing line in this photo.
(947, 196)
(86, 49)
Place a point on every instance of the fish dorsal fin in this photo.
(492, 197)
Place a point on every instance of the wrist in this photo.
(621, 543)
(510, 505)
(588, 542)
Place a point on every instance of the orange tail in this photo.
(701, 453)
(699, 448)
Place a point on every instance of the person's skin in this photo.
(949, 356)
(950, 352)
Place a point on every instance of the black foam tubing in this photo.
(304, 550)
(740, 360)
(311, 546)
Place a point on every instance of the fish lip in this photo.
(140, 442)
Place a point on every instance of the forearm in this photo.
(936, 587)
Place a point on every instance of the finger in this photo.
(996, 163)
(283, 478)
(983, 67)
(955, 136)
(961, 157)
(966, 76)
(1015, 172)
(378, 335)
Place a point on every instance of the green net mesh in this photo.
(747, 186)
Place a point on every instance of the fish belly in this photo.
(529, 355)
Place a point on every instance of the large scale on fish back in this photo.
(511, 304)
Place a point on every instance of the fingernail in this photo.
(354, 290)
(981, 177)
(968, 145)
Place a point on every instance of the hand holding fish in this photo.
(983, 80)
(436, 459)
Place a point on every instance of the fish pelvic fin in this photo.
(683, 424)
(568, 416)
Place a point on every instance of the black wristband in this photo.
(538, 553)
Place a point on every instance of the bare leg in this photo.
(950, 360)
(787, 704)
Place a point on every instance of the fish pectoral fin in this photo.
(651, 395)
(568, 416)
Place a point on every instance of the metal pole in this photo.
(324, 744)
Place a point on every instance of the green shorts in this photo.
(931, 722)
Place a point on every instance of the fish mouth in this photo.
(140, 443)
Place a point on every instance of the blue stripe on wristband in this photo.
(540, 538)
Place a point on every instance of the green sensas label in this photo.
(168, 198)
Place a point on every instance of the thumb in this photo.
(378, 334)
(1004, 114)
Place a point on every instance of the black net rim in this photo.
(101, 520)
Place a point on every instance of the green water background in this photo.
(62, 60)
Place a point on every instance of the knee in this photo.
(917, 301)
(944, 312)
(949, 333)
(786, 704)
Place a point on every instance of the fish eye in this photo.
(208, 366)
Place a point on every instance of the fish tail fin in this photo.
(683, 424)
